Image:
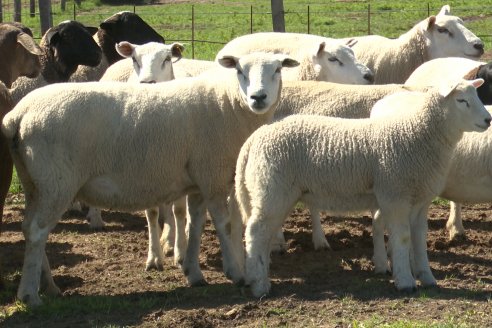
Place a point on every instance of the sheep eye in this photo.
(239, 72)
(463, 101)
(278, 69)
(135, 61)
(335, 59)
(442, 30)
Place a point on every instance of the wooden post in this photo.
(45, 15)
(1, 11)
(32, 8)
(369, 19)
(17, 10)
(278, 15)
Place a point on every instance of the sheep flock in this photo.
(114, 118)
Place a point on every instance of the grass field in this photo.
(220, 21)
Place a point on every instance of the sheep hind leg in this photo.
(180, 239)
(95, 219)
(191, 266)
(220, 215)
(278, 243)
(319, 239)
(380, 257)
(155, 257)
(40, 217)
(455, 223)
(420, 263)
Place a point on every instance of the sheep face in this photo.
(259, 78)
(448, 37)
(337, 63)
(72, 44)
(151, 61)
(464, 100)
(19, 53)
(124, 26)
(485, 90)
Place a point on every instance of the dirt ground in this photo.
(104, 273)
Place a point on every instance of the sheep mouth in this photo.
(475, 56)
(481, 127)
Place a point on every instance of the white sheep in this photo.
(396, 164)
(147, 63)
(393, 60)
(122, 26)
(146, 144)
(322, 59)
(64, 47)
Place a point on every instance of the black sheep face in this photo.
(485, 90)
(125, 26)
(72, 44)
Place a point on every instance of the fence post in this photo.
(193, 31)
(428, 10)
(251, 20)
(1, 11)
(278, 15)
(369, 19)
(74, 13)
(32, 8)
(309, 21)
(17, 10)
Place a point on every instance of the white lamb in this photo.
(146, 144)
(322, 59)
(393, 60)
(396, 164)
(147, 63)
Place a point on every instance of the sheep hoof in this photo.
(155, 266)
(168, 251)
(241, 283)
(407, 290)
(199, 283)
(31, 300)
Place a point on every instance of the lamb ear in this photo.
(52, 36)
(177, 49)
(125, 49)
(228, 61)
(431, 21)
(445, 10)
(28, 43)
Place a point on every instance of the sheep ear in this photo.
(445, 10)
(321, 48)
(28, 43)
(289, 62)
(228, 61)
(91, 29)
(472, 74)
(125, 49)
(52, 36)
(446, 89)
(177, 49)
(477, 83)
(351, 42)
(431, 21)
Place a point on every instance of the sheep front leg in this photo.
(421, 267)
(220, 216)
(48, 285)
(155, 258)
(278, 244)
(95, 219)
(319, 239)
(455, 224)
(397, 218)
(168, 229)
(191, 266)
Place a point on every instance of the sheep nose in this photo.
(479, 46)
(259, 97)
(150, 82)
(369, 77)
(487, 121)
